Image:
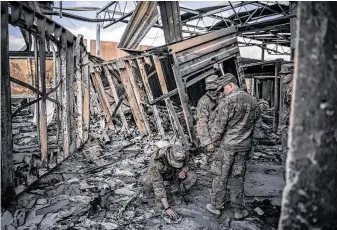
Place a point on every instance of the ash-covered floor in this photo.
(83, 192)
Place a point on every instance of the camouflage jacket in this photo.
(160, 170)
(205, 108)
(235, 119)
(285, 112)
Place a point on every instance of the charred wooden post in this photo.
(79, 92)
(64, 94)
(309, 198)
(125, 74)
(70, 89)
(141, 65)
(115, 95)
(86, 94)
(37, 86)
(41, 24)
(97, 82)
(7, 177)
(277, 93)
(184, 102)
(138, 94)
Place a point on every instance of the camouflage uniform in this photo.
(285, 112)
(236, 116)
(162, 173)
(205, 107)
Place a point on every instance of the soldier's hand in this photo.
(182, 175)
(210, 148)
(172, 214)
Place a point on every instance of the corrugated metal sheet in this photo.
(196, 54)
(143, 18)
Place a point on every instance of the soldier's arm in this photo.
(202, 123)
(218, 127)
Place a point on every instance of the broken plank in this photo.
(141, 65)
(125, 77)
(96, 79)
(137, 90)
(115, 95)
(79, 92)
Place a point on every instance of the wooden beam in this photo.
(141, 100)
(160, 74)
(86, 95)
(71, 95)
(145, 80)
(125, 77)
(41, 24)
(64, 95)
(184, 102)
(7, 176)
(115, 96)
(79, 92)
(97, 81)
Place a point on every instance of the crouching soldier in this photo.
(169, 166)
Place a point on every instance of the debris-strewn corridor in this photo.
(99, 188)
(168, 115)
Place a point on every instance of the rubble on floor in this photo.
(98, 188)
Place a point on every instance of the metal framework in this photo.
(262, 24)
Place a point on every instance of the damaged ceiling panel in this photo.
(143, 18)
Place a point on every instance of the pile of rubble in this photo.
(26, 149)
(98, 188)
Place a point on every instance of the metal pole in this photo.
(98, 39)
(276, 95)
(309, 198)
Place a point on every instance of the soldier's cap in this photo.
(225, 80)
(287, 68)
(176, 156)
(211, 82)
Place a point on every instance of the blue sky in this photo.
(114, 33)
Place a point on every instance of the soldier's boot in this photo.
(213, 210)
(240, 214)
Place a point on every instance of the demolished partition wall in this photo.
(170, 77)
(30, 149)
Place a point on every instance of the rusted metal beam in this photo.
(41, 24)
(141, 65)
(125, 74)
(115, 96)
(7, 176)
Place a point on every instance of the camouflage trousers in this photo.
(174, 186)
(231, 171)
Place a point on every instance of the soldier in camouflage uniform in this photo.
(286, 75)
(235, 119)
(169, 166)
(205, 108)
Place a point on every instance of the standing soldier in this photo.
(205, 108)
(235, 119)
(169, 166)
(286, 75)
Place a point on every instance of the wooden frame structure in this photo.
(71, 92)
(163, 75)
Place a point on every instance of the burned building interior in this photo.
(78, 129)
